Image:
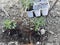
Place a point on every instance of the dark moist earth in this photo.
(53, 19)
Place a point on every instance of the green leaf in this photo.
(38, 22)
(26, 3)
(8, 25)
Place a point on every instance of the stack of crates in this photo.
(39, 7)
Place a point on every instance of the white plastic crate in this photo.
(37, 13)
(42, 5)
(30, 13)
(35, 7)
(39, 5)
(45, 9)
(45, 12)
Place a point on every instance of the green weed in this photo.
(8, 24)
(38, 22)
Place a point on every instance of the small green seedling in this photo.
(38, 22)
(8, 24)
(26, 3)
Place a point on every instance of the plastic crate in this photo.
(30, 13)
(43, 5)
(37, 13)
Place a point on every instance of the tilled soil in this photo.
(53, 19)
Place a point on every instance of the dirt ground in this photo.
(12, 9)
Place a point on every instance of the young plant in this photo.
(38, 22)
(8, 24)
(26, 3)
